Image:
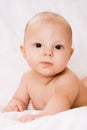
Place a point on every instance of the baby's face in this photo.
(47, 48)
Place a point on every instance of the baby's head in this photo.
(49, 18)
(47, 43)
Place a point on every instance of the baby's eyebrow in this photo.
(59, 41)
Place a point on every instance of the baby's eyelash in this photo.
(59, 47)
(38, 45)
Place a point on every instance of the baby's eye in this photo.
(59, 47)
(38, 45)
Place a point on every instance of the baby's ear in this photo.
(72, 50)
(22, 48)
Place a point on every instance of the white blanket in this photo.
(74, 119)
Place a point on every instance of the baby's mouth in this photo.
(46, 64)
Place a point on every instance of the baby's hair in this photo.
(48, 17)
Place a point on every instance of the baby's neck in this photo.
(43, 79)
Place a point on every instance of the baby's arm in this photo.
(20, 100)
(57, 103)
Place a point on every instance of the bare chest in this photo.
(40, 95)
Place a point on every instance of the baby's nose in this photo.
(48, 52)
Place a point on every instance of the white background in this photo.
(14, 15)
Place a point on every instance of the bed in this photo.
(14, 15)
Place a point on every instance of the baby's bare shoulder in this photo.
(26, 77)
(27, 74)
(67, 77)
(67, 83)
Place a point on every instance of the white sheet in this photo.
(13, 16)
(75, 119)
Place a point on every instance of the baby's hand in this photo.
(28, 117)
(13, 107)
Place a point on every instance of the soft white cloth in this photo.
(75, 119)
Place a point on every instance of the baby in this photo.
(50, 85)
